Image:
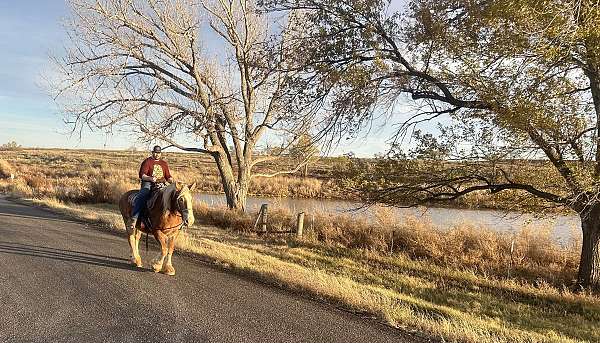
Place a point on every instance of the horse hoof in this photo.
(157, 268)
(137, 263)
(169, 270)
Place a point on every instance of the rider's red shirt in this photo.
(157, 168)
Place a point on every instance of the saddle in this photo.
(144, 220)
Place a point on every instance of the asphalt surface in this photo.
(61, 281)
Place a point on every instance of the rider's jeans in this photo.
(141, 199)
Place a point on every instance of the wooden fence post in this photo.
(262, 218)
(263, 210)
(300, 225)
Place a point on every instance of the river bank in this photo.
(564, 227)
(484, 249)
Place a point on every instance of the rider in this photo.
(153, 169)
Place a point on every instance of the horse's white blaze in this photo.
(189, 211)
(190, 218)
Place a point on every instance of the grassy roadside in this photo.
(440, 300)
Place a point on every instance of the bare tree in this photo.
(208, 71)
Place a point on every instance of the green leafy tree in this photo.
(518, 80)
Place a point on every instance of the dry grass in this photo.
(96, 176)
(445, 303)
(17, 188)
(530, 255)
(420, 294)
(63, 173)
(69, 167)
(6, 170)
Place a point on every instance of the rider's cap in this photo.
(156, 148)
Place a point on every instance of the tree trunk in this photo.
(594, 78)
(589, 264)
(235, 192)
(242, 192)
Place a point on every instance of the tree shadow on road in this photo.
(66, 255)
(10, 208)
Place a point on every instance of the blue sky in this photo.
(31, 30)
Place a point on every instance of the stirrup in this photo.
(131, 223)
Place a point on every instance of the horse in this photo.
(170, 211)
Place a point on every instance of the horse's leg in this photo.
(137, 236)
(162, 239)
(168, 268)
(131, 237)
(135, 256)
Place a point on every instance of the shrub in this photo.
(18, 188)
(12, 145)
(6, 170)
(106, 189)
(100, 164)
(37, 182)
(223, 218)
(287, 186)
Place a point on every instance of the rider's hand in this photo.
(153, 179)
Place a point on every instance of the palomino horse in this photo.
(171, 210)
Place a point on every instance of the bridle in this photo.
(179, 211)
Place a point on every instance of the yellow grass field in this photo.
(81, 175)
(76, 174)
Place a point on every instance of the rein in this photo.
(178, 226)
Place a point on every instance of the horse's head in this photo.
(183, 202)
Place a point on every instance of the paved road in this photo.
(61, 281)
